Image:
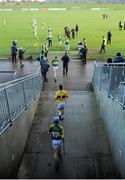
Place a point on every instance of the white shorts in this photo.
(55, 68)
(61, 105)
(56, 144)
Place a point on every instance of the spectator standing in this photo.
(118, 58)
(106, 68)
(116, 71)
(80, 44)
(81, 53)
(65, 59)
(21, 56)
(109, 36)
(85, 53)
(44, 68)
(14, 51)
(109, 60)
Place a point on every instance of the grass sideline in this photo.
(19, 26)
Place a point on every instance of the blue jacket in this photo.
(14, 49)
(118, 59)
(44, 65)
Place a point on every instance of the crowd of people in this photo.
(43, 57)
(69, 34)
(54, 63)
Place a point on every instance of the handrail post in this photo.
(33, 88)
(110, 79)
(8, 105)
(24, 95)
(93, 77)
(14, 75)
(124, 99)
(40, 82)
(100, 78)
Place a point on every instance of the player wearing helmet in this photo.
(57, 133)
(60, 98)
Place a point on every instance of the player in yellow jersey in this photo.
(60, 98)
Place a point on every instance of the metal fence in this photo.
(110, 78)
(16, 96)
(7, 76)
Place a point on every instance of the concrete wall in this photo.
(114, 118)
(13, 140)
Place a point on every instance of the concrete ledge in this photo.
(114, 118)
(13, 140)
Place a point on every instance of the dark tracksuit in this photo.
(66, 61)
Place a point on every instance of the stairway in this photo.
(86, 144)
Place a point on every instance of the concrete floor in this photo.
(87, 150)
(6, 65)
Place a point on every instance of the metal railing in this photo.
(110, 78)
(15, 96)
(8, 77)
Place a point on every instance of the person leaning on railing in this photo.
(117, 71)
(106, 68)
(118, 58)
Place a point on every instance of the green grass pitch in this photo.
(18, 25)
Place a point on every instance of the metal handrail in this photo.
(14, 72)
(19, 79)
(15, 96)
(15, 82)
(108, 64)
(110, 78)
